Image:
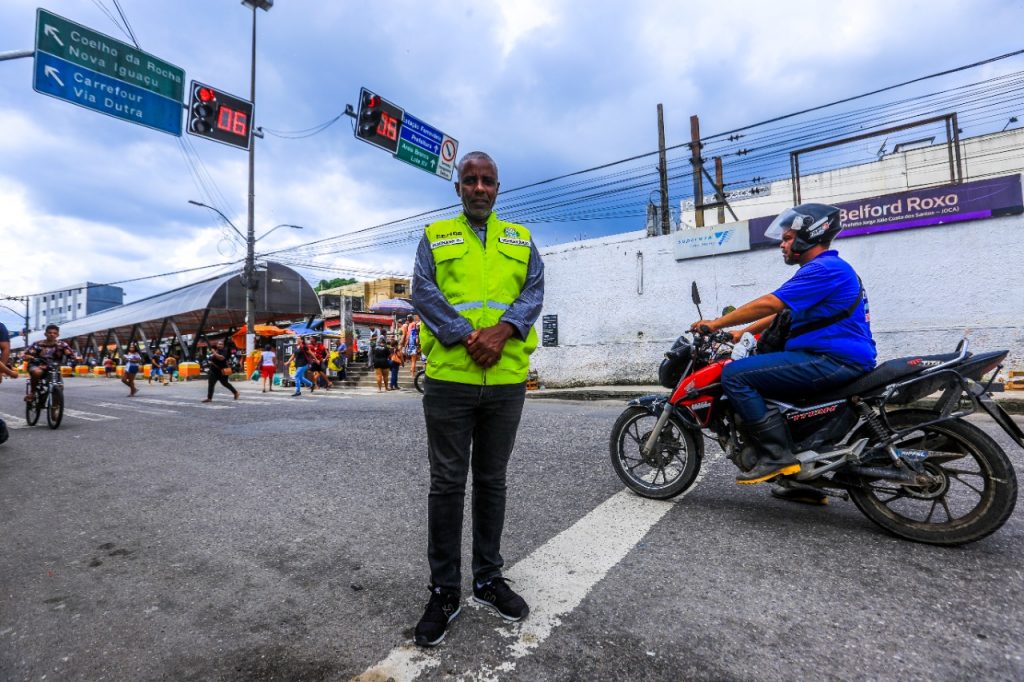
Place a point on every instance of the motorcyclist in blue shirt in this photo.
(824, 286)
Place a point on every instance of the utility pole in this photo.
(698, 167)
(719, 190)
(250, 246)
(663, 172)
(21, 299)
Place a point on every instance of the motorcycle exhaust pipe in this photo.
(905, 476)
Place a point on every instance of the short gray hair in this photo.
(476, 156)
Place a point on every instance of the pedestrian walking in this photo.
(318, 364)
(108, 366)
(132, 365)
(381, 364)
(374, 335)
(218, 371)
(170, 368)
(411, 341)
(156, 367)
(301, 359)
(397, 359)
(268, 366)
(478, 285)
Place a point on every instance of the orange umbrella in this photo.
(261, 330)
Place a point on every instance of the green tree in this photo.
(336, 282)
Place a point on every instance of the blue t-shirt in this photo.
(821, 288)
(4, 334)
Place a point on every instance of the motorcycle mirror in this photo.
(695, 295)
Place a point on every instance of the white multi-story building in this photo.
(79, 300)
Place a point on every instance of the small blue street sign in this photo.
(422, 135)
(87, 88)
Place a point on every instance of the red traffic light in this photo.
(206, 94)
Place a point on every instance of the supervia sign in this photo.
(709, 241)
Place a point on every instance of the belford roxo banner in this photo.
(918, 208)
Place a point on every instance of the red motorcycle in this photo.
(923, 474)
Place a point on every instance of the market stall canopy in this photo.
(209, 306)
(302, 329)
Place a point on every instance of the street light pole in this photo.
(250, 251)
(25, 300)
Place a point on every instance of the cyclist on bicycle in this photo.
(44, 355)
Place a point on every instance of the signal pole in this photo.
(250, 240)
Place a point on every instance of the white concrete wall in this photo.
(618, 312)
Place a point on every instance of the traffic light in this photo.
(218, 116)
(378, 121)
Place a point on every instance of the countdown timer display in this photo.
(217, 115)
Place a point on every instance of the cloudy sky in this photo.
(548, 87)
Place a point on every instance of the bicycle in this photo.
(49, 398)
(419, 381)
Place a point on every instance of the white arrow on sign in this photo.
(54, 74)
(53, 33)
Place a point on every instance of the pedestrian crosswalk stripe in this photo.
(89, 416)
(178, 403)
(14, 422)
(133, 408)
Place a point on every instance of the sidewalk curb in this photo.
(1013, 404)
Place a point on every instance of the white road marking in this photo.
(132, 408)
(178, 403)
(287, 395)
(14, 422)
(89, 416)
(553, 580)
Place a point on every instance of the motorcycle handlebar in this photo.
(720, 337)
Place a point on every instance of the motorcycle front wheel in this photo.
(974, 490)
(668, 471)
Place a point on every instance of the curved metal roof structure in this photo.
(208, 306)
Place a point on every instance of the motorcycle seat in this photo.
(883, 375)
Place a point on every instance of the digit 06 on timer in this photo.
(216, 115)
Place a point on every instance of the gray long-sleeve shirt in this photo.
(447, 324)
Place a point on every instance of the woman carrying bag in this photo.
(381, 363)
(397, 360)
(300, 356)
(218, 371)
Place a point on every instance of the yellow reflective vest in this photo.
(481, 284)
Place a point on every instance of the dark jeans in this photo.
(394, 374)
(468, 427)
(783, 376)
(211, 381)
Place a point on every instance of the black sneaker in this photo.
(499, 596)
(441, 610)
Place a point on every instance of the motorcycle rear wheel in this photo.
(669, 471)
(975, 495)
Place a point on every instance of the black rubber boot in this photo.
(771, 437)
(804, 494)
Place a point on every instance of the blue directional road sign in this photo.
(88, 68)
(426, 147)
(92, 90)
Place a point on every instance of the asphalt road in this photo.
(279, 538)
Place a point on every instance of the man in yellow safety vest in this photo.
(478, 286)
